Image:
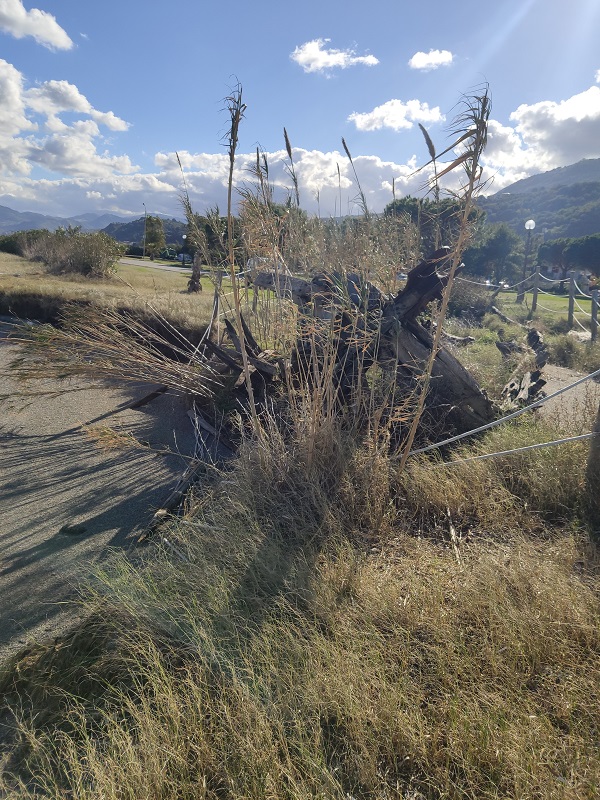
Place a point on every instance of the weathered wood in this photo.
(503, 317)
(458, 341)
(361, 327)
(593, 478)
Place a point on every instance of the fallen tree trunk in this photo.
(346, 326)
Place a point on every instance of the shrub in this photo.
(468, 300)
(69, 250)
(567, 351)
(20, 242)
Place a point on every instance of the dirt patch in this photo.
(576, 405)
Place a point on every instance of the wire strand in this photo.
(514, 415)
(538, 446)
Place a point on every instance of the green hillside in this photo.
(134, 231)
(559, 211)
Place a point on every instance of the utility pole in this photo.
(529, 226)
(144, 242)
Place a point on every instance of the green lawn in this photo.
(551, 308)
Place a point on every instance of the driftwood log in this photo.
(363, 327)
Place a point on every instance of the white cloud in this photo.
(396, 115)
(598, 76)
(314, 57)
(87, 174)
(544, 136)
(13, 118)
(72, 151)
(431, 60)
(316, 171)
(42, 26)
(53, 97)
(66, 149)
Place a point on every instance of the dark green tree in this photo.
(497, 254)
(431, 217)
(584, 253)
(155, 236)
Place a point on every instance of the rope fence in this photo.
(581, 292)
(574, 307)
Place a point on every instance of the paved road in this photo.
(137, 262)
(63, 501)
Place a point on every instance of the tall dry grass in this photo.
(312, 630)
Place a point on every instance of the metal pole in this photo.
(571, 298)
(521, 289)
(144, 243)
(595, 295)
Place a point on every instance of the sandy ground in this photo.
(579, 402)
(63, 501)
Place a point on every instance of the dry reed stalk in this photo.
(236, 109)
(475, 116)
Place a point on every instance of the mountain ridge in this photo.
(585, 171)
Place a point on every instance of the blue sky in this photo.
(96, 98)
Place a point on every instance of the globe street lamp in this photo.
(529, 226)
(184, 237)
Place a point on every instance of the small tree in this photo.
(155, 236)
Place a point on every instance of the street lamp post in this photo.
(144, 242)
(529, 226)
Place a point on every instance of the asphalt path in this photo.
(138, 262)
(63, 501)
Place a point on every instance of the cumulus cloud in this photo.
(13, 117)
(544, 136)
(536, 138)
(396, 115)
(58, 146)
(53, 97)
(313, 56)
(72, 151)
(316, 171)
(431, 60)
(42, 26)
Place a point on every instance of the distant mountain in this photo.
(563, 202)
(586, 171)
(11, 220)
(97, 221)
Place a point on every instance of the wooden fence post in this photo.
(593, 477)
(536, 286)
(595, 294)
(571, 298)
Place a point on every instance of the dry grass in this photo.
(24, 285)
(310, 631)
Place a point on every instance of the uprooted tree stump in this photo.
(346, 326)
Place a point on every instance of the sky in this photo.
(97, 99)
